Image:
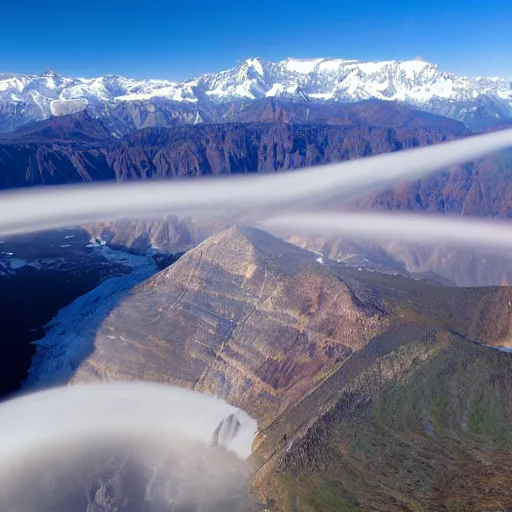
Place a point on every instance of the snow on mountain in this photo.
(70, 335)
(25, 98)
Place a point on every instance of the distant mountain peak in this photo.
(49, 72)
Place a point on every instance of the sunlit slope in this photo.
(423, 427)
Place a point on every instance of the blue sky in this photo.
(175, 40)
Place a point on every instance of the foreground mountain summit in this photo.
(479, 102)
(371, 392)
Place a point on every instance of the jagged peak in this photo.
(49, 72)
(242, 234)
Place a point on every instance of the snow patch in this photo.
(371, 68)
(322, 96)
(96, 242)
(413, 68)
(16, 263)
(256, 65)
(332, 65)
(303, 66)
(275, 90)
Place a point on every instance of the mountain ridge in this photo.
(480, 102)
(259, 139)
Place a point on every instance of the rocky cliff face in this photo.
(79, 148)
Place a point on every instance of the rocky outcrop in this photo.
(171, 234)
(226, 431)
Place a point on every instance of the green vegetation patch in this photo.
(488, 416)
(330, 497)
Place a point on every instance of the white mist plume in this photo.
(87, 411)
(122, 446)
(258, 195)
(392, 226)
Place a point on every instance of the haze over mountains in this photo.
(271, 135)
(479, 102)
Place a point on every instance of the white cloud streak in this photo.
(396, 226)
(258, 195)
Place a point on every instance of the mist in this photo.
(158, 443)
(432, 229)
(99, 409)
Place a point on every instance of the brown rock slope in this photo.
(418, 419)
(245, 316)
(371, 390)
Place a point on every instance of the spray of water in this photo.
(112, 408)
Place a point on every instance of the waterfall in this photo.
(226, 431)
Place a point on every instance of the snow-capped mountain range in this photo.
(26, 98)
